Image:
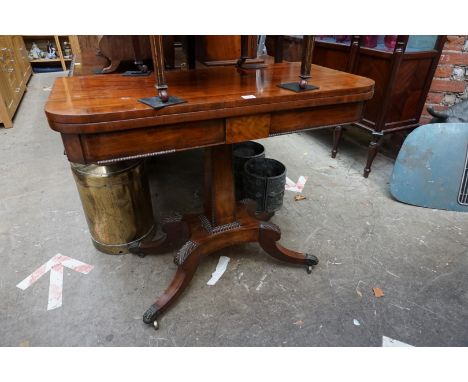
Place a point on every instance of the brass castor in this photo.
(150, 316)
(134, 248)
(311, 260)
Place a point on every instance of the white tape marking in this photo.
(296, 187)
(220, 269)
(250, 96)
(390, 342)
(55, 287)
(261, 283)
(55, 266)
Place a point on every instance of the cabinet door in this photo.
(6, 91)
(11, 85)
(7, 65)
(23, 67)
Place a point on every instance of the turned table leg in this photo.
(337, 133)
(372, 152)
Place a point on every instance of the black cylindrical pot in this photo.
(242, 152)
(264, 182)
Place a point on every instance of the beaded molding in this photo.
(184, 252)
(171, 219)
(270, 226)
(301, 130)
(136, 156)
(218, 229)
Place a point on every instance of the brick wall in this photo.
(450, 83)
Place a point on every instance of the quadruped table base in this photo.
(202, 236)
(201, 239)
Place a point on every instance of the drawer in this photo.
(302, 119)
(147, 141)
(240, 129)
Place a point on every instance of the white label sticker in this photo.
(250, 96)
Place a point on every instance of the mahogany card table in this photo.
(102, 120)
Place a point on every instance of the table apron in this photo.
(148, 141)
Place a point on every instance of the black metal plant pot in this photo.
(264, 182)
(242, 152)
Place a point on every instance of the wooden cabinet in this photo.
(15, 72)
(213, 50)
(401, 66)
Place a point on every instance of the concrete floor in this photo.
(363, 238)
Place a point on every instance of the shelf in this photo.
(41, 36)
(41, 41)
(46, 60)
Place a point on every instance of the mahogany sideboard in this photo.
(401, 66)
(101, 120)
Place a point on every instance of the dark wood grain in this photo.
(110, 123)
(220, 202)
(118, 48)
(402, 80)
(240, 129)
(216, 50)
(102, 120)
(110, 145)
(91, 99)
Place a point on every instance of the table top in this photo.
(100, 103)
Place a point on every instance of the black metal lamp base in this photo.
(156, 103)
(136, 73)
(252, 66)
(294, 86)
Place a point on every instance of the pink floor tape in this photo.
(296, 187)
(55, 265)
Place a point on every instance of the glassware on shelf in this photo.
(35, 52)
(343, 39)
(369, 41)
(421, 43)
(390, 42)
(379, 42)
(384, 43)
(325, 37)
(338, 39)
(66, 50)
(50, 51)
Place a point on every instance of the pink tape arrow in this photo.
(296, 187)
(55, 266)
